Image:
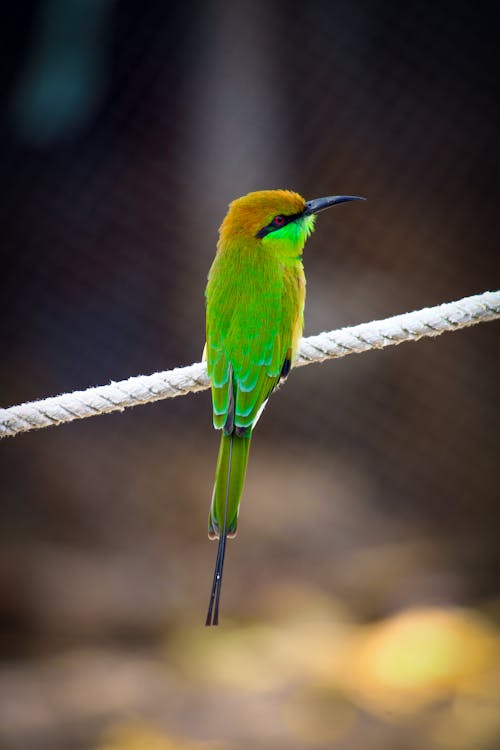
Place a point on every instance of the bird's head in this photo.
(279, 219)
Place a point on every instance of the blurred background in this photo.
(361, 602)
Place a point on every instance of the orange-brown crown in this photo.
(252, 212)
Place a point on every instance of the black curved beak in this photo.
(319, 204)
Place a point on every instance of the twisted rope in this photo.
(117, 396)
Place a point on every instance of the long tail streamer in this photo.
(221, 553)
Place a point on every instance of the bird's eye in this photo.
(279, 220)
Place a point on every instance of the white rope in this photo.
(142, 389)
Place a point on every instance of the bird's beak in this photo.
(319, 204)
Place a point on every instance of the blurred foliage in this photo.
(361, 600)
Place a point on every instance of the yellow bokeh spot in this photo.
(417, 656)
(136, 735)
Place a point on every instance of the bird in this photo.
(255, 298)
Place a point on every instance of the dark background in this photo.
(361, 605)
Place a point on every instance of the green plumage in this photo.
(255, 305)
(231, 468)
(255, 300)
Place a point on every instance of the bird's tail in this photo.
(223, 517)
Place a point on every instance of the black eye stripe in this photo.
(272, 227)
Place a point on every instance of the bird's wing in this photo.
(243, 374)
(252, 334)
(245, 363)
(219, 372)
(258, 375)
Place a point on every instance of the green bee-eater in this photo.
(255, 315)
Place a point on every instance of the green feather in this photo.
(239, 459)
